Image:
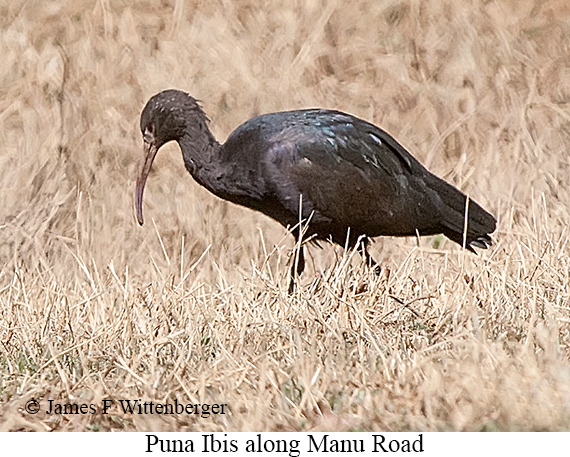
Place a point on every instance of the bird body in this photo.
(347, 176)
(349, 173)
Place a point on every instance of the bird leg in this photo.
(363, 250)
(297, 267)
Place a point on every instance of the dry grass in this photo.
(193, 305)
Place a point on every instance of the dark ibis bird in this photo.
(349, 179)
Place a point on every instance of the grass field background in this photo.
(193, 305)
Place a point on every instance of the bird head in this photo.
(165, 117)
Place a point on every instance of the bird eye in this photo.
(148, 133)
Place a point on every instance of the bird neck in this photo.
(200, 151)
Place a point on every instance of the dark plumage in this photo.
(355, 180)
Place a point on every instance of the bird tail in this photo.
(472, 231)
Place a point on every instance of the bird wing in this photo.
(349, 172)
(362, 144)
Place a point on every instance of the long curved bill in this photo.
(150, 151)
